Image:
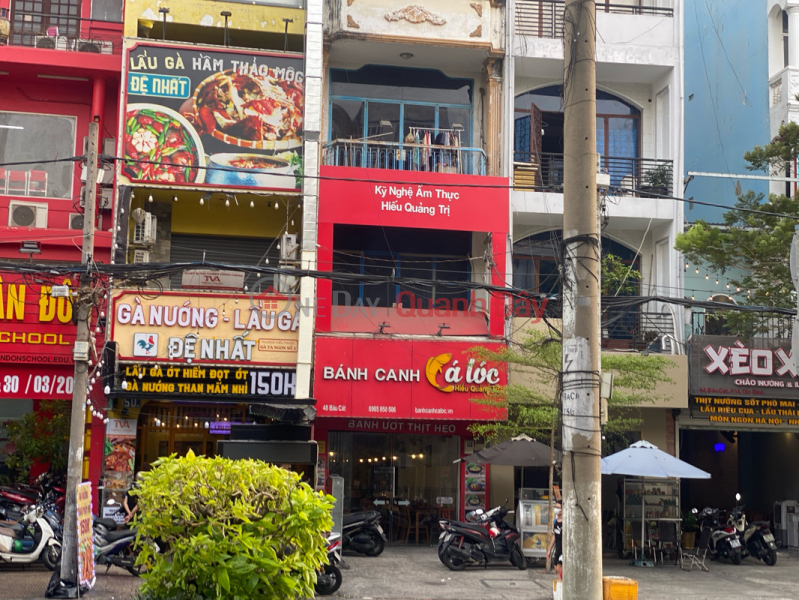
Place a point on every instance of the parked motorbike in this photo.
(329, 579)
(30, 540)
(363, 533)
(491, 539)
(756, 537)
(47, 488)
(724, 542)
(115, 547)
(472, 517)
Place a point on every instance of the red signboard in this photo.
(35, 382)
(35, 328)
(413, 199)
(402, 379)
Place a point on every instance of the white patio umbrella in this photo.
(643, 459)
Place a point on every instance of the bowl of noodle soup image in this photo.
(250, 170)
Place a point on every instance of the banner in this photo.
(85, 539)
(199, 329)
(401, 379)
(205, 116)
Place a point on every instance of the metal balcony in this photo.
(645, 177)
(544, 18)
(55, 31)
(404, 157)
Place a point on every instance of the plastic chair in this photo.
(17, 182)
(668, 544)
(690, 560)
(37, 183)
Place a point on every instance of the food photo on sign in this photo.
(201, 116)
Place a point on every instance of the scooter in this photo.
(30, 541)
(756, 538)
(115, 547)
(14, 498)
(475, 544)
(329, 580)
(363, 533)
(724, 542)
(472, 517)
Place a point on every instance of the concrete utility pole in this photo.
(82, 354)
(582, 536)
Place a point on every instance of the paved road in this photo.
(414, 573)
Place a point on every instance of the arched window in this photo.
(538, 133)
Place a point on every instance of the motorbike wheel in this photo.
(328, 582)
(379, 545)
(770, 558)
(517, 558)
(51, 557)
(736, 556)
(453, 563)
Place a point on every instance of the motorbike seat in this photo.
(25, 493)
(109, 524)
(113, 536)
(359, 516)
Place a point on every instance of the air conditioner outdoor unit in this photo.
(145, 232)
(27, 214)
(52, 42)
(96, 46)
(76, 221)
(141, 256)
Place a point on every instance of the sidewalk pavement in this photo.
(415, 573)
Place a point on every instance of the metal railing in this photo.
(55, 31)
(629, 328)
(646, 176)
(404, 157)
(544, 18)
(749, 326)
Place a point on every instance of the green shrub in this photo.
(233, 529)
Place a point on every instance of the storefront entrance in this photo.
(411, 479)
(166, 428)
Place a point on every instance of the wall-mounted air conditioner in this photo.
(76, 221)
(96, 46)
(52, 42)
(141, 256)
(145, 232)
(27, 214)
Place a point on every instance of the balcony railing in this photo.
(544, 18)
(62, 32)
(404, 157)
(646, 176)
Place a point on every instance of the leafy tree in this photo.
(618, 278)
(533, 405)
(238, 529)
(39, 437)
(756, 244)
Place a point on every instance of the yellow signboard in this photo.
(206, 328)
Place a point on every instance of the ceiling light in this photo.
(174, 198)
(150, 198)
(406, 55)
(227, 202)
(11, 127)
(252, 204)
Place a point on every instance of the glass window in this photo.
(418, 116)
(33, 137)
(347, 119)
(401, 83)
(107, 10)
(384, 122)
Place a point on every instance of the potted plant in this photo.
(689, 529)
(657, 179)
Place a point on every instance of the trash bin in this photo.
(557, 590)
(619, 588)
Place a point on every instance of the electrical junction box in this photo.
(59, 291)
(81, 351)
